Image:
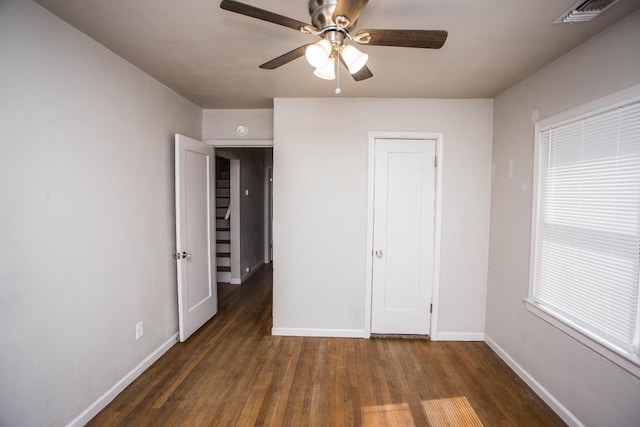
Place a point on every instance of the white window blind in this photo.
(587, 232)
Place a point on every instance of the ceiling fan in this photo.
(334, 22)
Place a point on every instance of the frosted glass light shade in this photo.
(318, 54)
(354, 59)
(328, 72)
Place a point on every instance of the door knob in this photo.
(379, 253)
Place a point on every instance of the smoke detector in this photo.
(242, 130)
(584, 11)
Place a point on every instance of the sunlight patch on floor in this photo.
(397, 415)
(454, 411)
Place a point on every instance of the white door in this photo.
(403, 236)
(195, 234)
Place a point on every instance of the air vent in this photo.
(584, 11)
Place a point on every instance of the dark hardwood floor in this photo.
(233, 372)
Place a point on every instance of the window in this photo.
(585, 257)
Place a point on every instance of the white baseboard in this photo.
(542, 392)
(328, 333)
(117, 388)
(458, 336)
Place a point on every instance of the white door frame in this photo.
(438, 137)
(268, 213)
(234, 220)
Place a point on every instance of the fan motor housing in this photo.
(321, 12)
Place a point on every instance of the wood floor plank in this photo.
(388, 415)
(273, 409)
(232, 372)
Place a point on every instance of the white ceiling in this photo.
(211, 56)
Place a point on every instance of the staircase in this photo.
(223, 226)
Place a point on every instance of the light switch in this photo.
(246, 192)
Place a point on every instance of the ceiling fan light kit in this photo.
(333, 21)
(328, 72)
(321, 56)
(318, 54)
(354, 59)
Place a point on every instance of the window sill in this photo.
(630, 362)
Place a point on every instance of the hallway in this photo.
(233, 372)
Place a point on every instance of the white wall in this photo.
(87, 217)
(595, 391)
(221, 124)
(320, 207)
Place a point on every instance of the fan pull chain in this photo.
(337, 61)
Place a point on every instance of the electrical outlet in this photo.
(139, 330)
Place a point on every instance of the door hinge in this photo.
(435, 161)
(430, 308)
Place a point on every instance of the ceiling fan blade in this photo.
(364, 73)
(350, 9)
(264, 15)
(425, 39)
(284, 59)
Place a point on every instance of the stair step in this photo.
(223, 229)
(224, 268)
(223, 241)
(223, 183)
(223, 254)
(223, 247)
(223, 276)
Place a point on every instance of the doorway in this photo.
(244, 225)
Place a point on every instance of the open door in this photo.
(195, 234)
